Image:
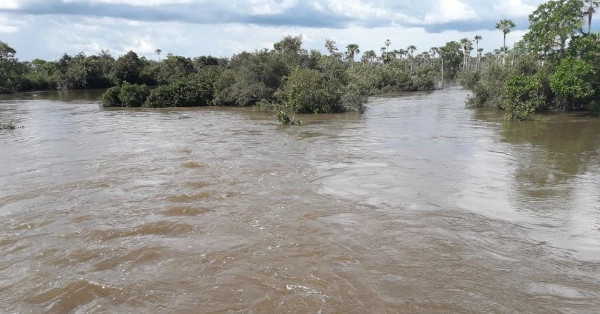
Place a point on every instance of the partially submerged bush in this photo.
(7, 126)
(133, 95)
(184, 93)
(110, 98)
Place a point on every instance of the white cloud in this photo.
(450, 11)
(11, 4)
(133, 2)
(267, 7)
(7, 25)
(514, 8)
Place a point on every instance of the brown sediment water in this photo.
(418, 205)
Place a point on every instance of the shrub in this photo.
(188, 93)
(525, 95)
(573, 81)
(110, 98)
(489, 90)
(161, 97)
(133, 95)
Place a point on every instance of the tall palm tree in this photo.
(433, 51)
(477, 39)
(505, 26)
(467, 46)
(158, 51)
(411, 50)
(352, 50)
(589, 12)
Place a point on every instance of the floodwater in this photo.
(418, 205)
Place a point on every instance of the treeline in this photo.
(555, 67)
(287, 77)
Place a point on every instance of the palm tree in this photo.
(589, 11)
(467, 46)
(479, 52)
(352, 49)
(411, 50)
(504, 26)
(433, 51)
(477, 39)
(158, 51)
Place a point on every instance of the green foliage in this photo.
(174, 68)
(489, 90)
(573, 81)
(306, 92)
(184, 93)
(525, 95)
(552, 25)
(127, 68)
(8, 69)
(133, 95)
(250, 78)
(469, 79)
(284, 118)
(110, 98)
(452, 59)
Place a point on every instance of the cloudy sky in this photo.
(48, 28)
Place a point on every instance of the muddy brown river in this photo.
(418, 205)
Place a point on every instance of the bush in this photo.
(573, 81)
(525, 95)
(306, 91)
(133, 95)
(161, 97)
(110, 98)
(189, 93)
(489, 90)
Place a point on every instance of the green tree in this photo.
(573, 82)
(505, 26)
(552, 25)
(8, 67)
(127, 68)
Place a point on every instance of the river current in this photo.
(417, 205)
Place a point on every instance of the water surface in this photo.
(418, 205)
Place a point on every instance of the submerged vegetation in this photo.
(7, 126)
(555, 66)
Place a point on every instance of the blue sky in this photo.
(48, 28)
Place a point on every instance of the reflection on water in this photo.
(418, 205)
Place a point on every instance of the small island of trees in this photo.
(554, 67)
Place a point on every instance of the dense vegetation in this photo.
(555, 67)
(286, 78)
